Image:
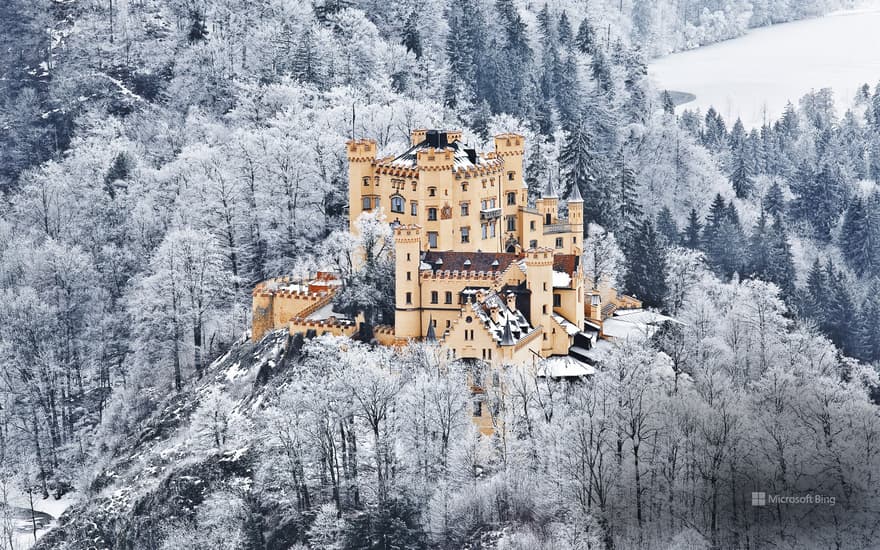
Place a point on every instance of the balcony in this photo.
(557, 228)
(490, 214)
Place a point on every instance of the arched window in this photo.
(397, 204)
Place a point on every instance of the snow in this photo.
(561, 280)
(768, 67)
(24, 537)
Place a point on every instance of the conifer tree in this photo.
(580, 164)
(629, 211)
(868, 333)
(668, 104)
(781, 268)
(564, 30)
(586, 37)
(774, 201)
(412, 39)
(646, 257)
(855, 237)
(666, 226)
(813, 303)
(602, 72)
(692, 233)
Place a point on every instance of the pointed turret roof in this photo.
(575, 194)
(549, 191)
(507, 338)
(432, 335)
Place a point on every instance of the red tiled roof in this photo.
(480, 261)
(566, 263)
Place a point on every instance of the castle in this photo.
(477, 268)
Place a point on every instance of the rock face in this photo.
(156, 476)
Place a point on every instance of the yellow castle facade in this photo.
(477, 269)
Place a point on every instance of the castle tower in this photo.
(362, 192)
(539, 277)
(576, 217)
(407, 289)
(548, 204)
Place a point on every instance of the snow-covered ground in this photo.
(23, 537)
(761, 71)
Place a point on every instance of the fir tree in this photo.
(774, 201)
(814, 298)
(586, 36)
(781, 268)
(412, 39)
(693, 231)
(629, 210)
(666, 226)
(564, 30)
(868, 333)
(646, 276)
(855, 237)
(668, 104)
(602, 72)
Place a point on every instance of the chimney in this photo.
(436, 139)
(493, 311)
(511, 301)
(596, 307)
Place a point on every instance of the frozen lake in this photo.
(761, 71)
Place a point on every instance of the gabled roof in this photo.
(511, 326)
(463, 157)
(456, 261)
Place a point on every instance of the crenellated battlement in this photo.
(460, 275)
(361, 150)
(408, 233)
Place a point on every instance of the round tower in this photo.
(361, 185)
(407, 288)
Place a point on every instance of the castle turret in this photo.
(548, 204)
(407, 289)
(362, 192)
(576, 216)
(539, 273)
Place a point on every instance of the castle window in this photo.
(492, 203)
(408, 257)
(478, 407)
(376, 202)
(447, 298)
(414, 208)
(511, 223)
(432, 191)
(510, 176)
(435, 297)
(465, 234)
(465, 208)
(434, 322)
(547, 219)
(574, 239)
(414, 186)
(485, 230)
(409, 297)
(532, 225)
(397, 204)
(489, 353)
(432, 214)
(448, 323)
(557, 300)
(483, 204)
(544, 309)
(409, 275)
(432, 239)
(492, 229)
(533, 243)
(511, 198)
(464, 187)
(367, 204)
(558, 242)
(366, 181)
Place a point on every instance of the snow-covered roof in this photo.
(564, 367)
(569, 327)
(463, 157)
(510, 326)
(561, 280)
(634, 322)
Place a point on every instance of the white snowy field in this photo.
(754, 76)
